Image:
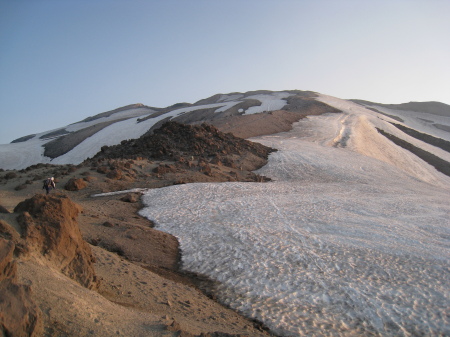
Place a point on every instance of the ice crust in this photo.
(346, 240)
(269, 102)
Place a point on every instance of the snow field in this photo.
(127, 129)
(22, 155)
(339, 244)
(323, 256)
(423, 122)
(269, 102)
(358, 133)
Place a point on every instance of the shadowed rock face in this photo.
(19, 315)
(49, 226)
(3, 210)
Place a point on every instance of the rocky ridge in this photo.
(178, 141)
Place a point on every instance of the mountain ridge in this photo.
(248, 114)
(346, 175)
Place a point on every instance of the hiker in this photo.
(49, 184)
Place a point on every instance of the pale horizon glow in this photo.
(63, 61)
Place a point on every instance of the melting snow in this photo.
(133, 190)
(129, 113)
(269, 102)
(22, 155)
(342, 242)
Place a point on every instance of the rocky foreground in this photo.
(76, 265)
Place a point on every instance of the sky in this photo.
(64, 60)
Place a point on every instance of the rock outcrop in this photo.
(19, 315)
(49, 226)
(180, 142)
(75, 184)
(3, 210)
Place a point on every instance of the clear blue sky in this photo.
(64, 60)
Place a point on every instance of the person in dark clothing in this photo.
(49, 184)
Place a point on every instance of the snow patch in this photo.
(340, 243)
(133, 190)
(419, 121)
(269, 102)
(16, 156)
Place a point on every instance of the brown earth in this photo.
(135, 287)
(19, 314)
(247, 126)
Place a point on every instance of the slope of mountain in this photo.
(423, 127)
(429, 117)
(246, 115)
(142, 290)
(76, 142)
(350, 236)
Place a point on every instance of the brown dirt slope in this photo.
(19, 314)
(247, 126)
(141, 291)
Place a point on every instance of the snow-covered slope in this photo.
(351, 238)
(429, 117)
(84, 139)
(76, 142)
(357, 130)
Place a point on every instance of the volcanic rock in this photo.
(115, 174)
(49, 227)
(163, 169)
(8, 269)
(103, 169)
(174, 141)
(75, 184)
(130, 197)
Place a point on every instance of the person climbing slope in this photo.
(49, 183)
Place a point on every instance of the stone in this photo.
(75, 184)
(130, 197)
(49, 226)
